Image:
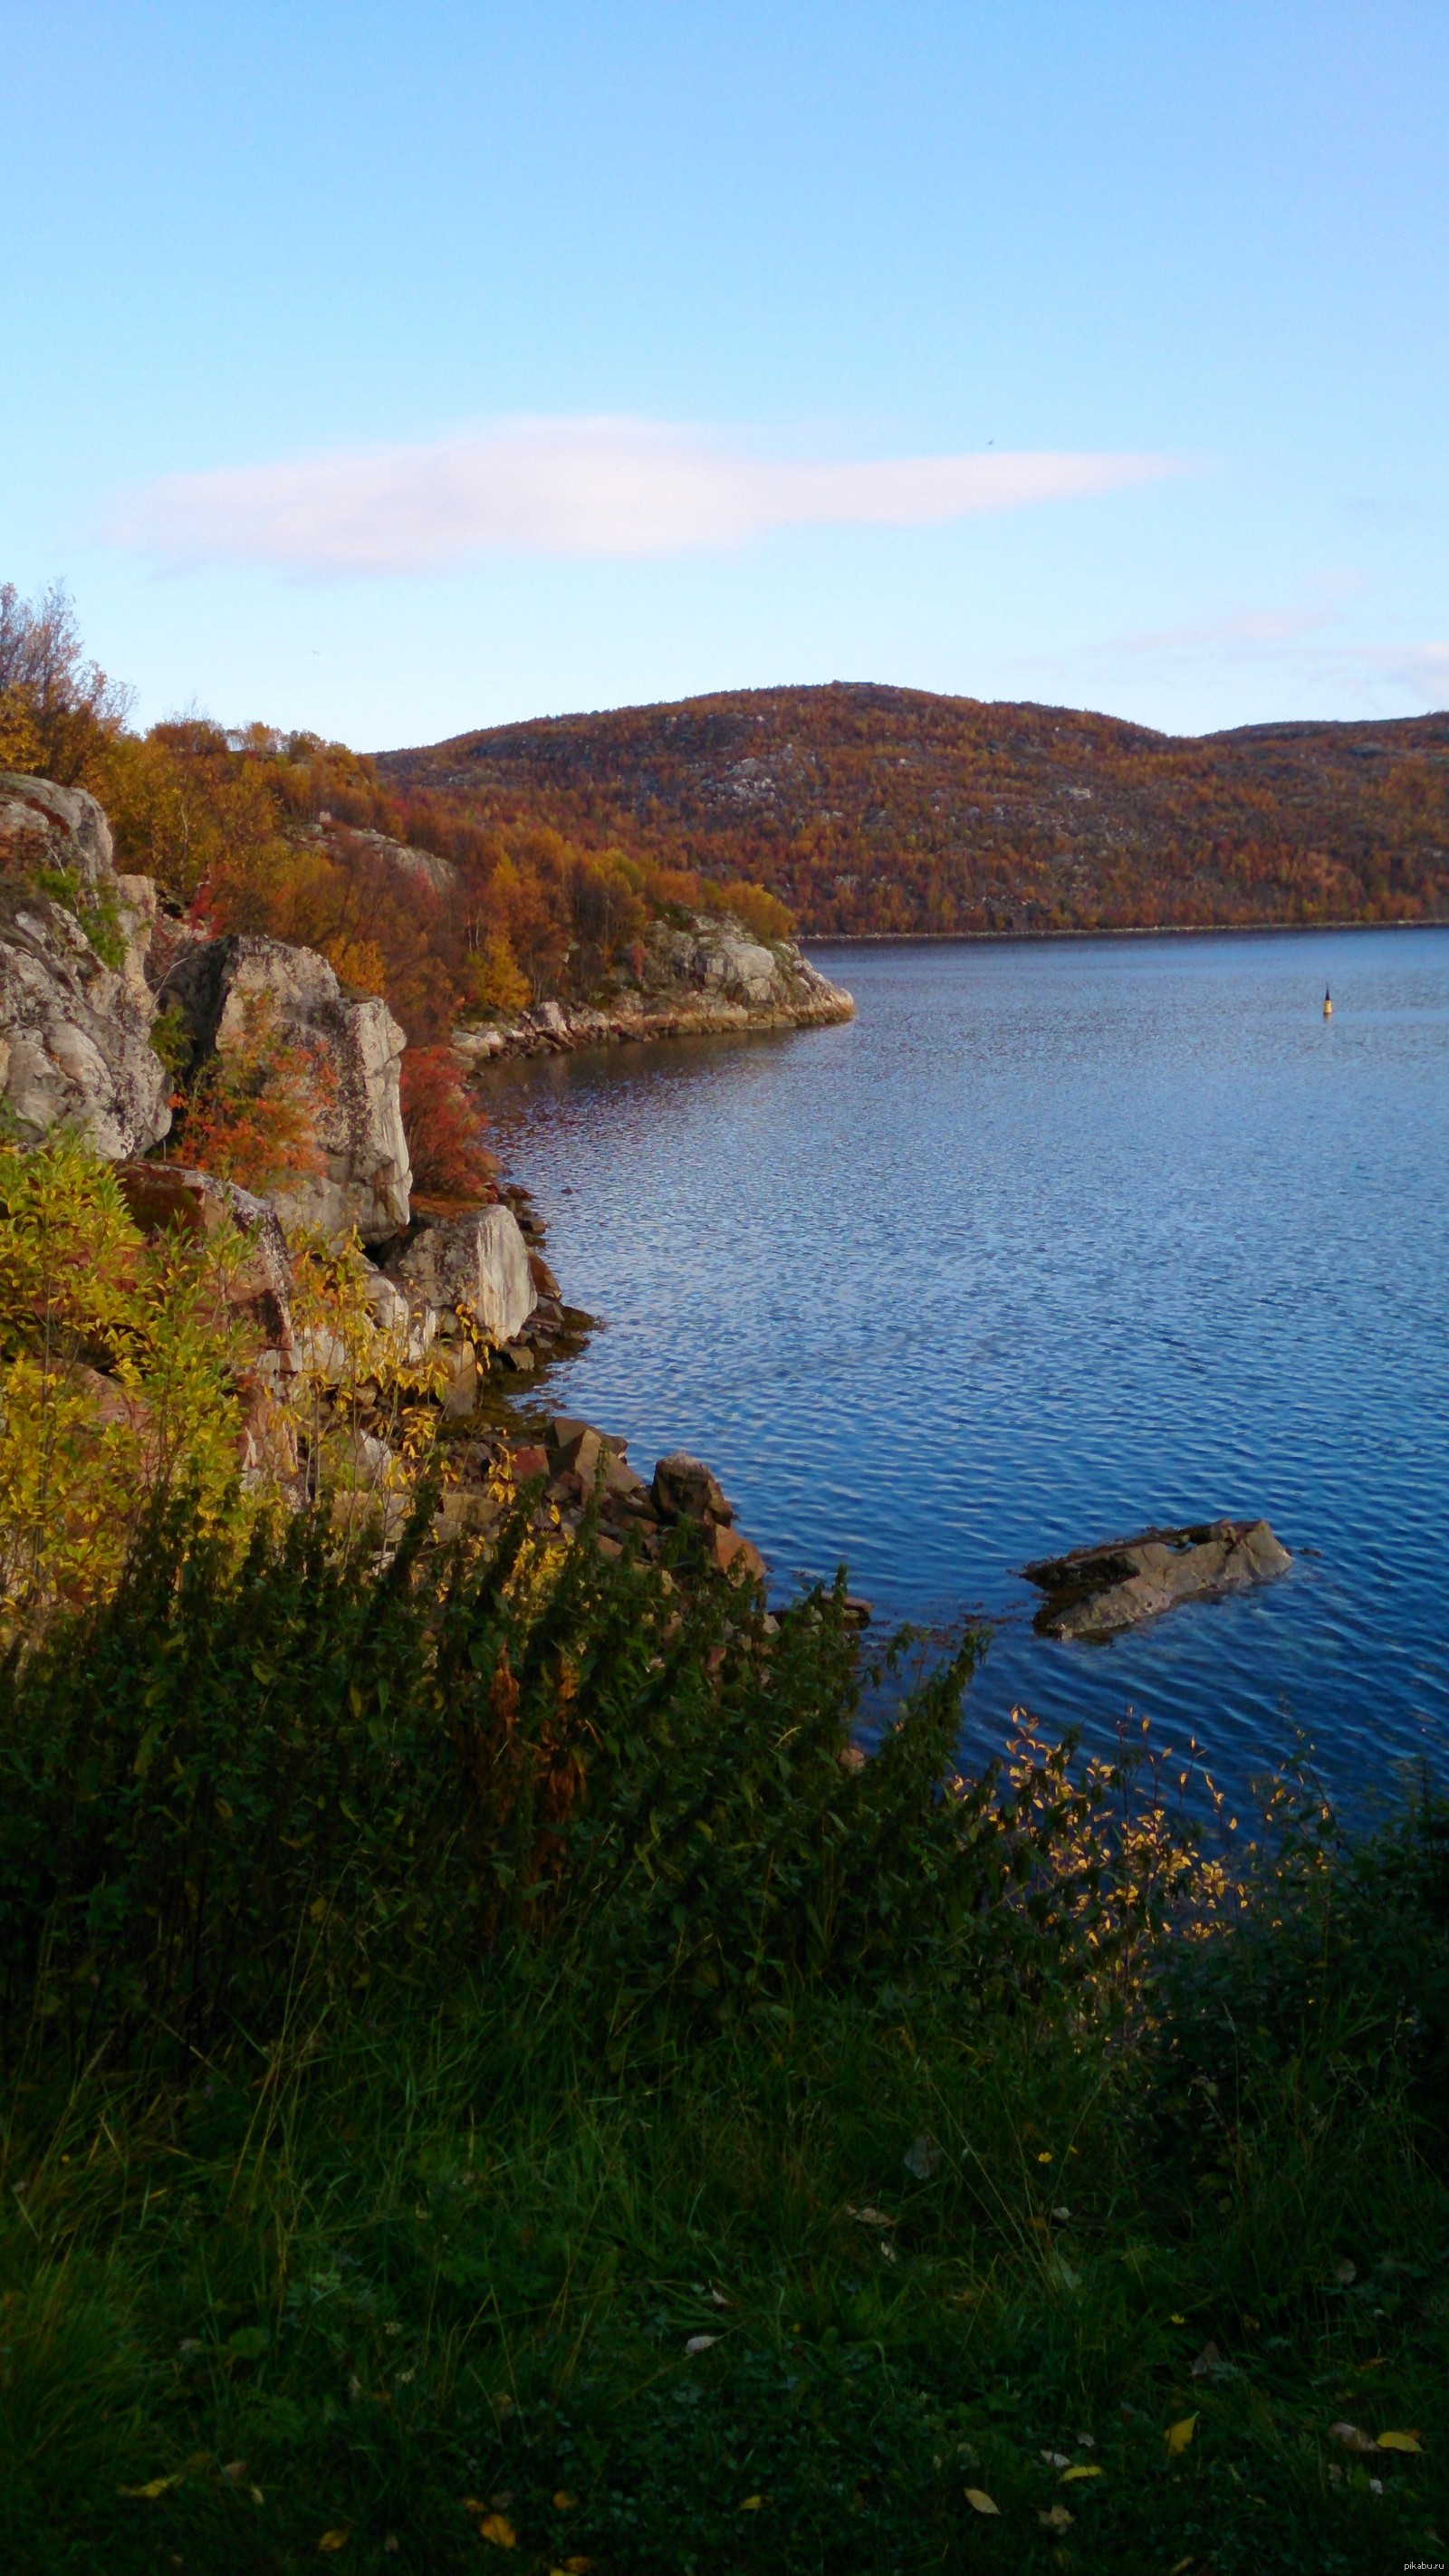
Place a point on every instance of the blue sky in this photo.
(394, 369)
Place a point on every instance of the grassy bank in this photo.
(487, 2084)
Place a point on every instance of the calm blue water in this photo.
(1051, 1243)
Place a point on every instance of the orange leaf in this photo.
(499, 2530)
(564, 2502)
(332, 2540)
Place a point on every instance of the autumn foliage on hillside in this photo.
(889, 810)
(447, 914)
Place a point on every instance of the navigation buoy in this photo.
(1328, 1006)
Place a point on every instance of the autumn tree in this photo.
(58, 712)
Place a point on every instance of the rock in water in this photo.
(1095, 1592)
(355, 1041)
(75, 1011)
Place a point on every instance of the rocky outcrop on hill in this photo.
(1095, 1592)
(230, 989)
(75, 1010)
(708, 975)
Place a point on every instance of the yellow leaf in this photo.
(1092, 2472)
(978, 2498)
(1398, 2441)
(752, 2504)
(1178, 2435)
(474, 2504)
(499, 2530)
(564, 2502)
(332, 2540)
(154, 2486)
(577, 2566)
(1046, 2157)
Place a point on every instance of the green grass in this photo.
(434, 2231)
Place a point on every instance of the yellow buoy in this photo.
(1328, 1006)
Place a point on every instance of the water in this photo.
(1053, 1242)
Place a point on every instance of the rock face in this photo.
(479, 1262)
(171, 1198)
(75, 1010)
(709, 976)
(1095, 1592)
(243, 983)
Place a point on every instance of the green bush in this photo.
(236, 1784)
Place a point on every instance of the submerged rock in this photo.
(1096, 1592)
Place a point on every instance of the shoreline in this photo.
(557, 1028)
(1130, 930)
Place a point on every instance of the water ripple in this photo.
(1052, 1242)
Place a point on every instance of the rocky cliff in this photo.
(76, 1012)
(229, 990)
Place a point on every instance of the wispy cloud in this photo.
(573, 487)
(1308, 643)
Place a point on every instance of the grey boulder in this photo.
(232, 988)
(75, 1023)
(478, 1262)
(1096, 1592)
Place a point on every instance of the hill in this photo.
(880, 810)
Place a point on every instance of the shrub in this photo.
(444, 1127)
(118, 1362)
(251, 1115)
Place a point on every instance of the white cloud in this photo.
(573, 487)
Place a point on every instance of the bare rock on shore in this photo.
(479, 1262)
(75, 1010)
(708, 975)
(228, 988)
(1096, 1592)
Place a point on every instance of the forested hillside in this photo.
(890, 810)
(403, 891)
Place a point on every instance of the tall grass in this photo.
(553, 1997)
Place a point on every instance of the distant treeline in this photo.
(877, 810)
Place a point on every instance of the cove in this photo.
(1052, 1242)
